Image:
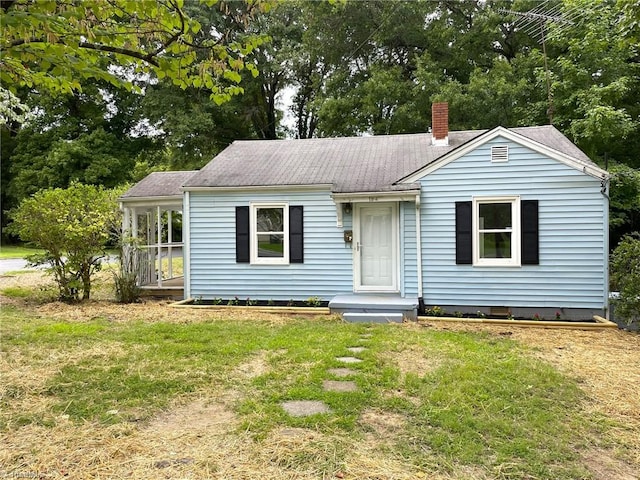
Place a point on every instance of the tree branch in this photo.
(175, 36)
(149, 57)
(146, 57)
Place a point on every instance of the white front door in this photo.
(376, 247)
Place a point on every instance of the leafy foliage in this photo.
(72, 226)
(53, 45)
(624, 202)
(625, 277)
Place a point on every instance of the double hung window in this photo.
(269, 233)
(496, 230)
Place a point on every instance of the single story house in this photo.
(510, 221)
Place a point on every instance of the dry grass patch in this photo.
(256, 366)
(412, 360)
(382, 425)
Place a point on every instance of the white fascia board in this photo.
(591, 170)
(172, 200)
(253, 188)
(402, 196)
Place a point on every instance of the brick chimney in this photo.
(440, 124)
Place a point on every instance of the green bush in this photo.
(72, 227)
(625, 278)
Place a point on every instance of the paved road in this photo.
(12, 264)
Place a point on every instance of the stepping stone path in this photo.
(356, 349)
(348, 359)
(339, 386)
(342, 372)
(304, 408)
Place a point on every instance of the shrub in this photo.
(72, 226)
(625, 277)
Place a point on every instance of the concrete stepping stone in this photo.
(356, 349)
(348, 359)
(366, 335)
(341, 372)
(305, 408)
(339, 386)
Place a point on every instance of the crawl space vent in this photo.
(500, 153)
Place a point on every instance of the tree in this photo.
(53, 45)
(625, 278)
(624, 204)
(85, 137)
(72, 226)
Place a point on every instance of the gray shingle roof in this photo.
(159, 184)
(551, 137)
(348, 164)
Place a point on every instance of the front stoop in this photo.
(374, 308)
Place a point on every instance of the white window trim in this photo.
(253, 238)
(514, 261)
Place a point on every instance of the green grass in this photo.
(17, 292)
(15, 251)
(484, 404)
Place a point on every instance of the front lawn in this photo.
(129, 391)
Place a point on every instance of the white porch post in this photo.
(126, 219)
(159, 244)
(186, 244)
(169, 242)
(151, 241)
(134, 223)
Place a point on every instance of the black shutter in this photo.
(464, 252)
(530, 236)
(242, 235)
(296, 234)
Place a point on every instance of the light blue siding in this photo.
(572, 226)
(327, 267)
(408, 252)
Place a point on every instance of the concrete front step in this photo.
(364, 317)
(374, 308)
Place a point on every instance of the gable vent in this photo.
(500, 153)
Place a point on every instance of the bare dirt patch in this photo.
(412, 360)
(382, 424)
(603, 466)
(256, 366)
(194, 418)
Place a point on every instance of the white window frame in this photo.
(514, 261)
(253, 229)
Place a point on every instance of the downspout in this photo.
(186, 245)
(605, 193)
(419, 249)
